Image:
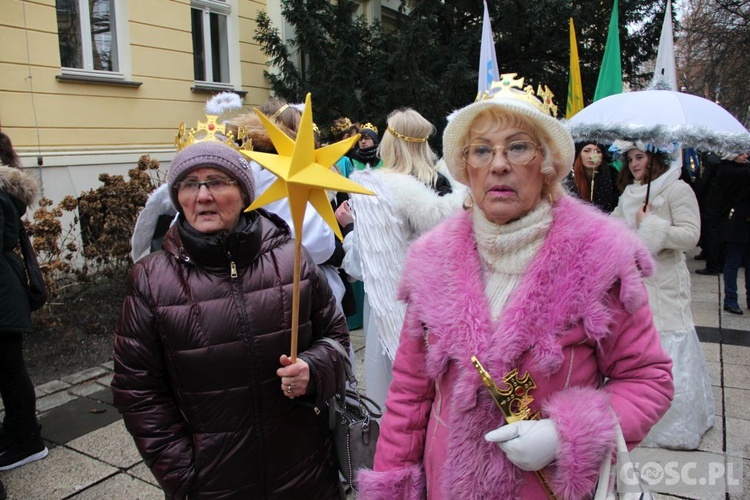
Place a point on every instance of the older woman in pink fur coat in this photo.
(526, 278)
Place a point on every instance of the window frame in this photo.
(229, 9)
(121, 37)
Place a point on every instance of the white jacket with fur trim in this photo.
(671, 229)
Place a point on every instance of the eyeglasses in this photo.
(518, 153)
(214, 186)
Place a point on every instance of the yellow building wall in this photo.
(83, 129)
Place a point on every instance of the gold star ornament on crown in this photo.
(304, 173)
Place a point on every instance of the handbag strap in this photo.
(371, 407)
(29, 254)
(27, 249)
(607, 490)
(367, 404)
(344, 357)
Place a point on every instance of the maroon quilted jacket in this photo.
(196, 354)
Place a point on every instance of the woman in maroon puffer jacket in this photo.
(214, 406)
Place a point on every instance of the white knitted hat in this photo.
(516, 102)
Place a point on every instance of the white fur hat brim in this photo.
(561, 147)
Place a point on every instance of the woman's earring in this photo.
(549, 197)
(468, 203)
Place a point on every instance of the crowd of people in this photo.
(516, 246)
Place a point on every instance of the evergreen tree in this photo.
(337, 54)
(429, 61)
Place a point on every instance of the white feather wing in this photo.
(382, 242)
(158, 204)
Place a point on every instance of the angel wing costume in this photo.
(385, 225)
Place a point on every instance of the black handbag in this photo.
(36, 288)
(353, 422)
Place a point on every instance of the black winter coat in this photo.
(196, 354)
(734, 181)
(17, 191)
(606, 195)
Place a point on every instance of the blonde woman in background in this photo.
(412, 197)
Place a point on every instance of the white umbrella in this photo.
(660, 117)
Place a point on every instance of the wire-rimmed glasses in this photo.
(518, 153)
(214, 186)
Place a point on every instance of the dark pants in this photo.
(735, 255)
(16, 387)
(711, 243)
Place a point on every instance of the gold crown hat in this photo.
(370, 130)
(511, 96)
(369, 126)
(341, 125)
(210, 130)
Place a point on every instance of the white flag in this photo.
(665, 70)
(488, 70)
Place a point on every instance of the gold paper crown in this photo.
(208, 130)
(510, 87)
(369, 126)
(341, 125)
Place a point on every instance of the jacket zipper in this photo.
(232, 267)
(237, 292)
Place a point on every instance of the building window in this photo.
(89, 37)
(211, 47)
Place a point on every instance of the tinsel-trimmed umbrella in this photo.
(660, 117)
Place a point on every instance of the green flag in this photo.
(610, 73)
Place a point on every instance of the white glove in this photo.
(530, 444)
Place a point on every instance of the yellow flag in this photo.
(575, 88)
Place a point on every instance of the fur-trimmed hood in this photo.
(19, 185)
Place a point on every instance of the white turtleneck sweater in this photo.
(507, 250)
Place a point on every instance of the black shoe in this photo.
(707, 272)
(24, 448)
(730, 309)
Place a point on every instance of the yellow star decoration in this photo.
(303, 172)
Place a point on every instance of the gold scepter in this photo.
(514, 402)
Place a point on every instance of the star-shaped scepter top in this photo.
(304, 173)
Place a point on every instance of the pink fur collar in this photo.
(584, 255)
